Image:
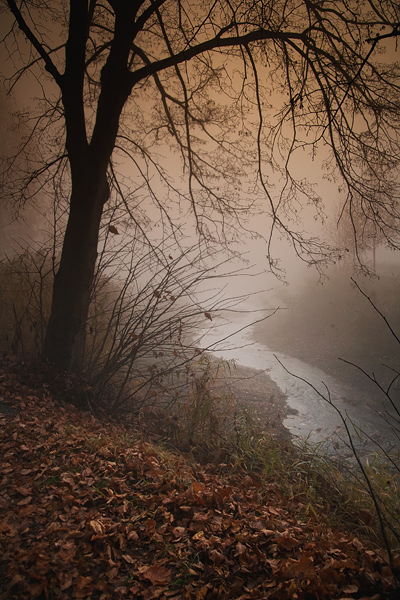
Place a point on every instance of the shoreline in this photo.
(255, 390)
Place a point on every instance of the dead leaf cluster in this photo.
(87, 512)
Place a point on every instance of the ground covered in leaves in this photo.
(90, 511)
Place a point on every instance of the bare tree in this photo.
(211, 104)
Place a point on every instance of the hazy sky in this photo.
(303, 165)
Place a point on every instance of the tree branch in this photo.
(22, 24)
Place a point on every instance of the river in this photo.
(230, 337)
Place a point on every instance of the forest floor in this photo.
(91, 510)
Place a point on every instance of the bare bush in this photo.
(149, 302)
(26, 282)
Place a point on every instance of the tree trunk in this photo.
(64, 344)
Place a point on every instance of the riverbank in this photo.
(255, 391)
(317, 400)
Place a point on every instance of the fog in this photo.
(324, 337)
(300, 315)
(303, 318)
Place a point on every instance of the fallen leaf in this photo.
(240, 548)
(197, 486)
(150, 526)
(358, 544)
(304, 567)
(158, 575)
(24, 501)
(65, 580)
(83, 582)
(217, 557)
(36, 589)
(128, 559)
(288, 543)
(23, 491)
(97, 526)
(67, 552)
(350, 589)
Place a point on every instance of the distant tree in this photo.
(210, 103)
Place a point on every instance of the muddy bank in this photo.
(256, 391)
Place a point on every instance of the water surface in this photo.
(314, 417)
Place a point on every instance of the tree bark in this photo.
(64, 344)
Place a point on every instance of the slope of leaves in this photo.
(88, 511)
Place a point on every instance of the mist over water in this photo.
(300, 345)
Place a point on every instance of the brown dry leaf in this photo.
(68, 479)
(236, 537)
(36, 589)
(178, 532)
(65, 580)
(150, 526)
(201, 593)
(288, 543)
(24, 501)
(240, 548)
(97, 526)
(220, 495)
(396, 559)
(128, 559)
(356, 542)
(268, 532)
(132, 536)
(67, 552)
(82, 583)
(158, 575)
(197, 486)
(305, 567)
(122, 590)
(217, 557)
(273, 511)
(350, 589)
(23, 491)
(199, 536)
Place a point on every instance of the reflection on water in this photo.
(315, 418)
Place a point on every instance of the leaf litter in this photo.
(88, 511)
